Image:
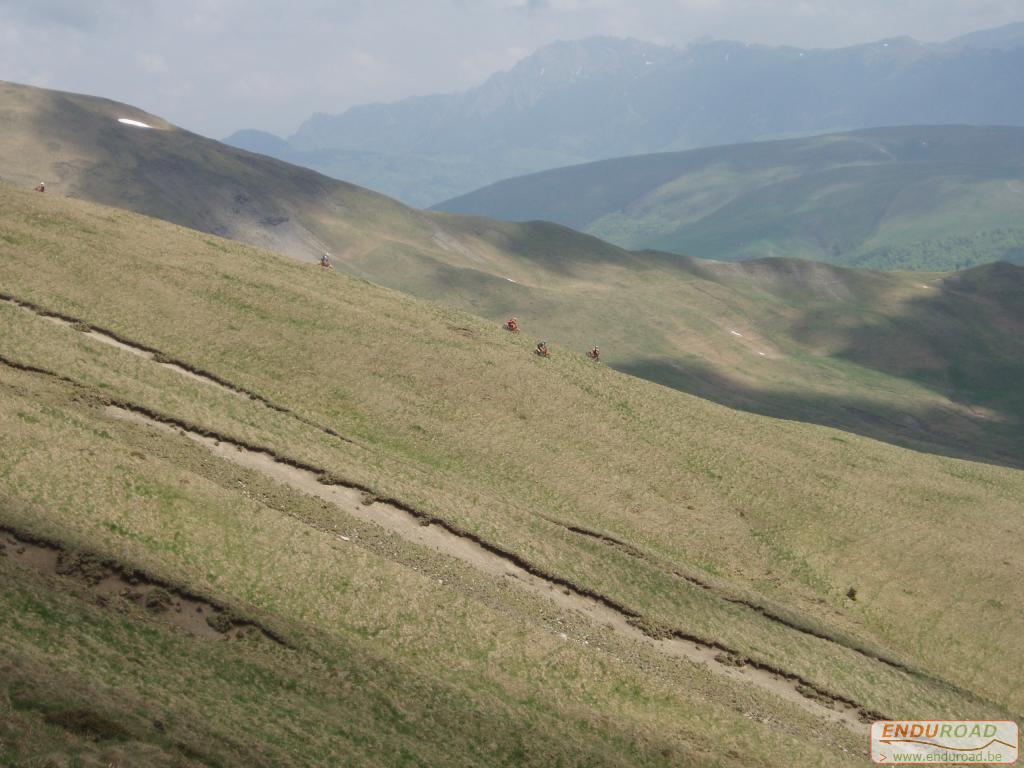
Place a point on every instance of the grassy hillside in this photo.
(421, 544)
(79, 147)
(925, 360)
(880, 355)
(923, 198)
(76, 144)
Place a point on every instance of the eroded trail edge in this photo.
(188, 370)
(444, 538)
(110, 582)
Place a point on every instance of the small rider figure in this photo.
(41, 187)
(325, 261)
(542, 349)
(512, 324)
(594, 353)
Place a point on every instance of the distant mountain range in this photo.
(598, 98)
(924, 198)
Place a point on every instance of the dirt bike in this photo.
(594, 354)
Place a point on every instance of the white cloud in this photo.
(218, 65)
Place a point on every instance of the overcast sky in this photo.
(217, 65)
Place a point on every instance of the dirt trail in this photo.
(436, 537)
(178, 366)
(113, 341)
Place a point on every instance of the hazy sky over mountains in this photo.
(217, 65)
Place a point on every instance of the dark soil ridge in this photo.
(164, 359)
(652, 629)
(110, 580)
(722, 594)
(604, 538)
(26, 368)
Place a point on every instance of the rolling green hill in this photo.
(921, 198)
(256, 513)
(913, 359)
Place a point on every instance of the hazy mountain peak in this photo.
(1000, 38)
(598, 53)
(565, 64)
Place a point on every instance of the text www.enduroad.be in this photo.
(949, 757)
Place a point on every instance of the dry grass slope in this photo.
(612, 486)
